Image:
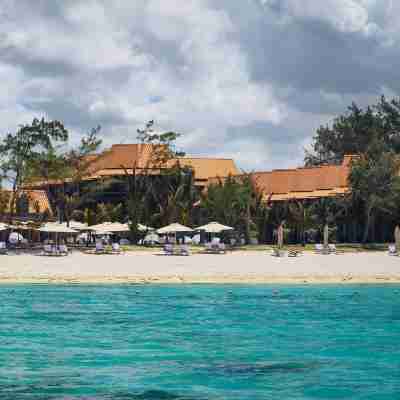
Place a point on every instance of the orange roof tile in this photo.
(302, 183)
(124, 156)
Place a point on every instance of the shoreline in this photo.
(200, 281)
(233, 268)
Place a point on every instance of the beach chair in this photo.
(332, 248)
(168, 249)
(294, 253)
(319, 248)
(3, 248)
(49, 250)
(99, 248)
(208, 248)
(222, 248)
(63, 249)
(392, 250)
(184, 250)
(115, 248)
(278, 252)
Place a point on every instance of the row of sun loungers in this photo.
(55, 251)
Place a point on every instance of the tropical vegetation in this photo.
(369, 213)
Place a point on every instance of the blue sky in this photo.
(249, 79)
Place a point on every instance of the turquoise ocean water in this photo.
(199, 342)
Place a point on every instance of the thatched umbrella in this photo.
(326, 236)
(397, 238)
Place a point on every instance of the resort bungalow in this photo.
(121, 159)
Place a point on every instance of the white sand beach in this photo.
(238, 267)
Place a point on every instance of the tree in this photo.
(355, 131)
(29, 143)
(374, 180)
(236, 202)
(67, 169)
(142, 180)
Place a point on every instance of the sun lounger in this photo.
(278, 252)
(222, 248)
(392, 250)
(168, 249)
(332, 248)
(320, 249)
(99, 248)
(215, 247)
(294, 253)
(50, 250)
(115, 248)
(63, 249)
(208, 247)
(184, 250)
(3, 248)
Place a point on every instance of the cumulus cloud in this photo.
(250, 79)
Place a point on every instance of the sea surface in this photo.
(199, 342)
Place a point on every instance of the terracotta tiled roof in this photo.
(303, 183)
(37, 200)
(119, 157)
(205, 168)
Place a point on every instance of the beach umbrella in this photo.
(113, 227)
(214, 227)
(326, 236)
(53, 227)
(280, 236)
(76, 225)
(56, 228)
(397, 238)
(174, 228)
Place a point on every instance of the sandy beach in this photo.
(238, 267)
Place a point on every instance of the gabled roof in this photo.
(303, 183)
(112, 162)
(121, 156)
(205, 168)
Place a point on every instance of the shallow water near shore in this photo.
(199, 342)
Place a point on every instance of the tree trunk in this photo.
(367, 225)
(248, 223)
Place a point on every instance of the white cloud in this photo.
(182, 63)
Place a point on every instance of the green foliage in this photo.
(163, 145)
(163, 197)
(354, 132)
(30, 143)
(236, 202)
(375, 182)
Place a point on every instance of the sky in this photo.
(247, 79)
